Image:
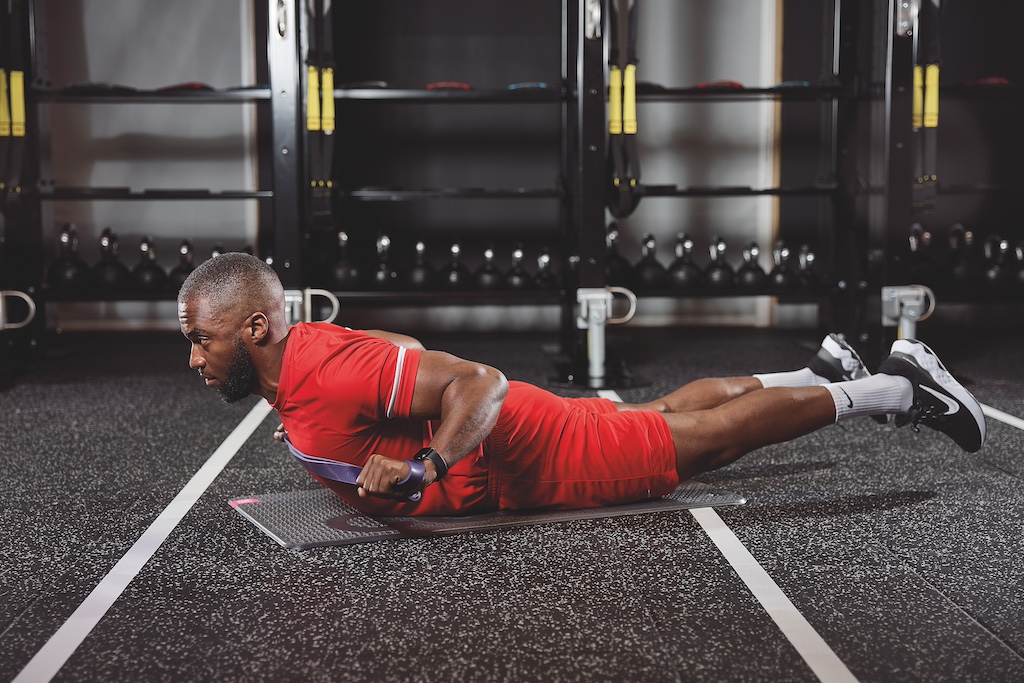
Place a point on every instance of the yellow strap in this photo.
(327, 110)
(615, 101)
(18, 104)
(312, 98)
(918, 97)
(5, 110)
(931, 96)
(629, 101)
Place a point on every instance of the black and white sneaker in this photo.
(837, 361)
(940, 402)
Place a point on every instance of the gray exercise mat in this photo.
(307, 519)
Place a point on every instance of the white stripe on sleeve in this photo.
(398, 382)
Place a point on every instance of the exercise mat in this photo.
(316, 517)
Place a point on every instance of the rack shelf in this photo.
(399, 195)
(790, 295)
(485, 95)
(651, 92)
(123, 193)
(131, 96)
(737, 191)
(501, 297)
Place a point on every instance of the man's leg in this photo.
(913, 384)
(836, 361)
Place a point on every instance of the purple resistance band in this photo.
(349, 474)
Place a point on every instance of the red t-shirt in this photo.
(344, 395)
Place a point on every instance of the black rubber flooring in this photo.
(904, 554)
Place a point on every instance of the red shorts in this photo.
(567, 453)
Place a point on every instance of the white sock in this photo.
(791, 380)
(874, 395)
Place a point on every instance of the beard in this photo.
(241, 375)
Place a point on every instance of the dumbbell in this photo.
(750, 275)
(110, 275)
(920, 266)
(69, 274)
(807, 269)
(781, 277)
(344, 274)
(385, 277)
(186, 264)
(618, 271)
(997, 272)
(1018, 270)
(961, 268)
(147, 276)
(546, 277)
(648, 272)
(488, 276)
(718, 274)
(456, 275)
(517, 277)
(683, 273)
(422, 276)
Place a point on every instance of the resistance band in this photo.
(349, 474)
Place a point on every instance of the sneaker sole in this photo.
(925, 359)
(835, 346)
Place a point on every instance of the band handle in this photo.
(414, 480)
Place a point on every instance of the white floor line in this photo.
(1006, 418)
(62, 644)
(825, 664)
(822, 660)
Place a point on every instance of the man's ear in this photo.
(258, 328)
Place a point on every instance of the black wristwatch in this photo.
(439, 464)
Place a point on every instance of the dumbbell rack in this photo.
(856, 246)
(284, 215)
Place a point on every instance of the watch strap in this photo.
(433, 456)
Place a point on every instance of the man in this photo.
(481, 443)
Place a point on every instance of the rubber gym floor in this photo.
(900, 554)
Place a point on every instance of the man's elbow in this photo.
(497, 380)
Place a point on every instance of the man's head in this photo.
(232, 310)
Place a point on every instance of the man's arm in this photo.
(465, 396)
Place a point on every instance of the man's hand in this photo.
(280, 433)
(381, 473)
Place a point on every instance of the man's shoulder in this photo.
(314, 332)
(323, 340)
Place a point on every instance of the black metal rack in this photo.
(836, 181)
(864, 175)
(275, 98)
(890, 209)
(349, 194)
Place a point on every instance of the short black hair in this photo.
(230, 279)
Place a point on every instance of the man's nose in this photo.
(195, 359)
